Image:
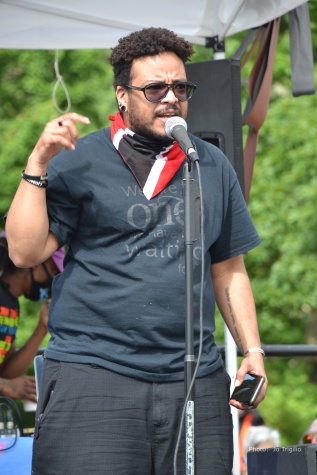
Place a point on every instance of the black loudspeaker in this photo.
(214, 112)
(292, 460)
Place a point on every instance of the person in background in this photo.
(310, 435)
(35, 284)
(260, 438)
(247, 419)
(112, 386)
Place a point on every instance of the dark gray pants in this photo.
(91, 421)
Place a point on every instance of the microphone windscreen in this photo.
(173, 122)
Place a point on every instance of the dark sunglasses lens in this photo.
(184, 91)
(181, 91)
(155, 92)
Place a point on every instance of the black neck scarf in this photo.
(152, 164)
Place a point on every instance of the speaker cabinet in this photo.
(292, 460)
(214, 112)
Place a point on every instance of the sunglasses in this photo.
(156, 91)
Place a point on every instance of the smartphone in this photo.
(248, 391)
(38, 365)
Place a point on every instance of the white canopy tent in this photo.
(78, 24)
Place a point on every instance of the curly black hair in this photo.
(146, 42)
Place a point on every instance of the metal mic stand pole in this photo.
(191, 231)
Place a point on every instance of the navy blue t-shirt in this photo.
(120, 301)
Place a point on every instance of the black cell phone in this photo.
(248, 391)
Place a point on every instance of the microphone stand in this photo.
(191, 233)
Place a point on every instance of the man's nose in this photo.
(170, 96)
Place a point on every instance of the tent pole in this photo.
(230, 346)
(232, 367)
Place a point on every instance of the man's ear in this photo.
(121, 94)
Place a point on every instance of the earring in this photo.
(122, 108)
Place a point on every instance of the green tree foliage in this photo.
(27, 81)
(283, 269)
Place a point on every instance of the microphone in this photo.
(176, 128)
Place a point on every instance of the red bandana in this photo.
(152, 166)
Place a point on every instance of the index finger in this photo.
(74, 117)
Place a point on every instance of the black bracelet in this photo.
(37, 180)
(34, 177)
